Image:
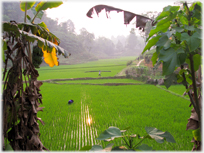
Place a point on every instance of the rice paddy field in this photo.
(97, 107)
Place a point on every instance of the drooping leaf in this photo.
(168, 81)
(50, 57)
(144, 147)
(151, 43)
(128, 16)
(26, 5)
(111, 132)
(159, 135)
(42, 42)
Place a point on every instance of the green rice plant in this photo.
(78, 70)
(120, 106)
(102, 81)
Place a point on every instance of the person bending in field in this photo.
(70, 101)
(99, 74)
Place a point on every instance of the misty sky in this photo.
(101, 26)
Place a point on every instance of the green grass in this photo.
(79, 70)
(137, 106)
(101, 81)
(178, 89)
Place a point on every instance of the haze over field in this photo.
(101, 26)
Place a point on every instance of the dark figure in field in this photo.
(99, 73)
(70, 101)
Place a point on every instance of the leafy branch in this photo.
(177, 37)
(115, 133)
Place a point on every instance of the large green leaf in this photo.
(159, 135)
(193, 41)
(111, 132)
(26, 5)
(170, 17)
(164, 41)
(168, 137)
(168, 81)
(151, 43)
(161, 28)
(144, 147)
(183, 19)
(170, 60)
(44, 5)
(39, 13)
(162, 15)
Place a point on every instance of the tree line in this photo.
(84, 46)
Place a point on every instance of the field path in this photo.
(122, 73)
(138, 64)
